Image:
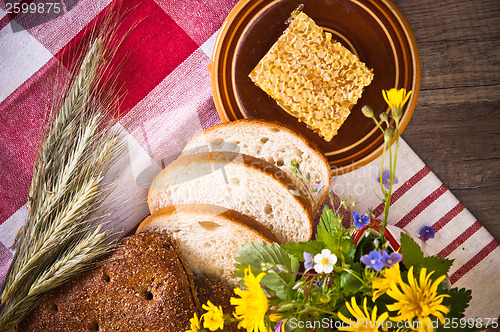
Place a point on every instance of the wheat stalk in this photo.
(72, 262)
(60, 238)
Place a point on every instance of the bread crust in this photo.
(242, 123)
(215, 291)
(265, 123)
(249, 162)
(250, 224)
(144, 285)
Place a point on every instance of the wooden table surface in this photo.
(455, 128)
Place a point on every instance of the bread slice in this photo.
(145, 285)
(208, 236)
(239, 182)
(270, 141)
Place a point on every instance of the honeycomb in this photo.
(311, 76)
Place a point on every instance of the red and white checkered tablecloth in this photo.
(169, 100)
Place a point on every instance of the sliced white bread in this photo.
(270, 141)
(239, 182)
(208, 236)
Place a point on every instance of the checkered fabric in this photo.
(168, 101)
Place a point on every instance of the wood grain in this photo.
(455, 128)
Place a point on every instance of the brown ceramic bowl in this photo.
(375, 30)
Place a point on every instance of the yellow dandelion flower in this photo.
(418, 299)
(213, 319)
(252, 305)
(274, 317)
(194, 324)
(389, 278)
(363, 321)
(396, 98)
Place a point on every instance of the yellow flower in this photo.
(362, 321)
(213, 319)
(195, 324)
(396, 98)
(418, 299)
(252, 305)
(389, 278)
(274, 317)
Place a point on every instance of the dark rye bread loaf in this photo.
(215, 291)
(144, 285)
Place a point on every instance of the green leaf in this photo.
(413, 256)
(349, 282)
(329, 241)
(297, 249)
(258, 254)
(295, 263)
(411, 251)
(440, 266)
(329, 222)
(349, 255)
(339, 242)
(458, 302)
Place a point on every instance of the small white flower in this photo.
(324, 261)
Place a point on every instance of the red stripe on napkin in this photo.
(200, 19)
(421, 206)
(22, 115)
(448, 217)
(460, 240)
(4, 21)
(474, 261)
(153, 49)
(403, 189)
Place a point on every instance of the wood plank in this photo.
(456, 125)
(452, 19)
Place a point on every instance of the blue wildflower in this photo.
(386, 179)
(309, 261)
(318, 284)
(392, 259)
(318, 188)
(426, 233)
(360, 221)
(373, 260)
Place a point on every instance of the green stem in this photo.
(383, 158)
(383, 190)
(378, 124)
(307, 306)
(382, 170)
(351, 272)
(387, 194)
(392, 172)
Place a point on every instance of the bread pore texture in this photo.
(238, 182)
(275, 143)
(208, 236)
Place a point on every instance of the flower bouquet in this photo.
(346, 279)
